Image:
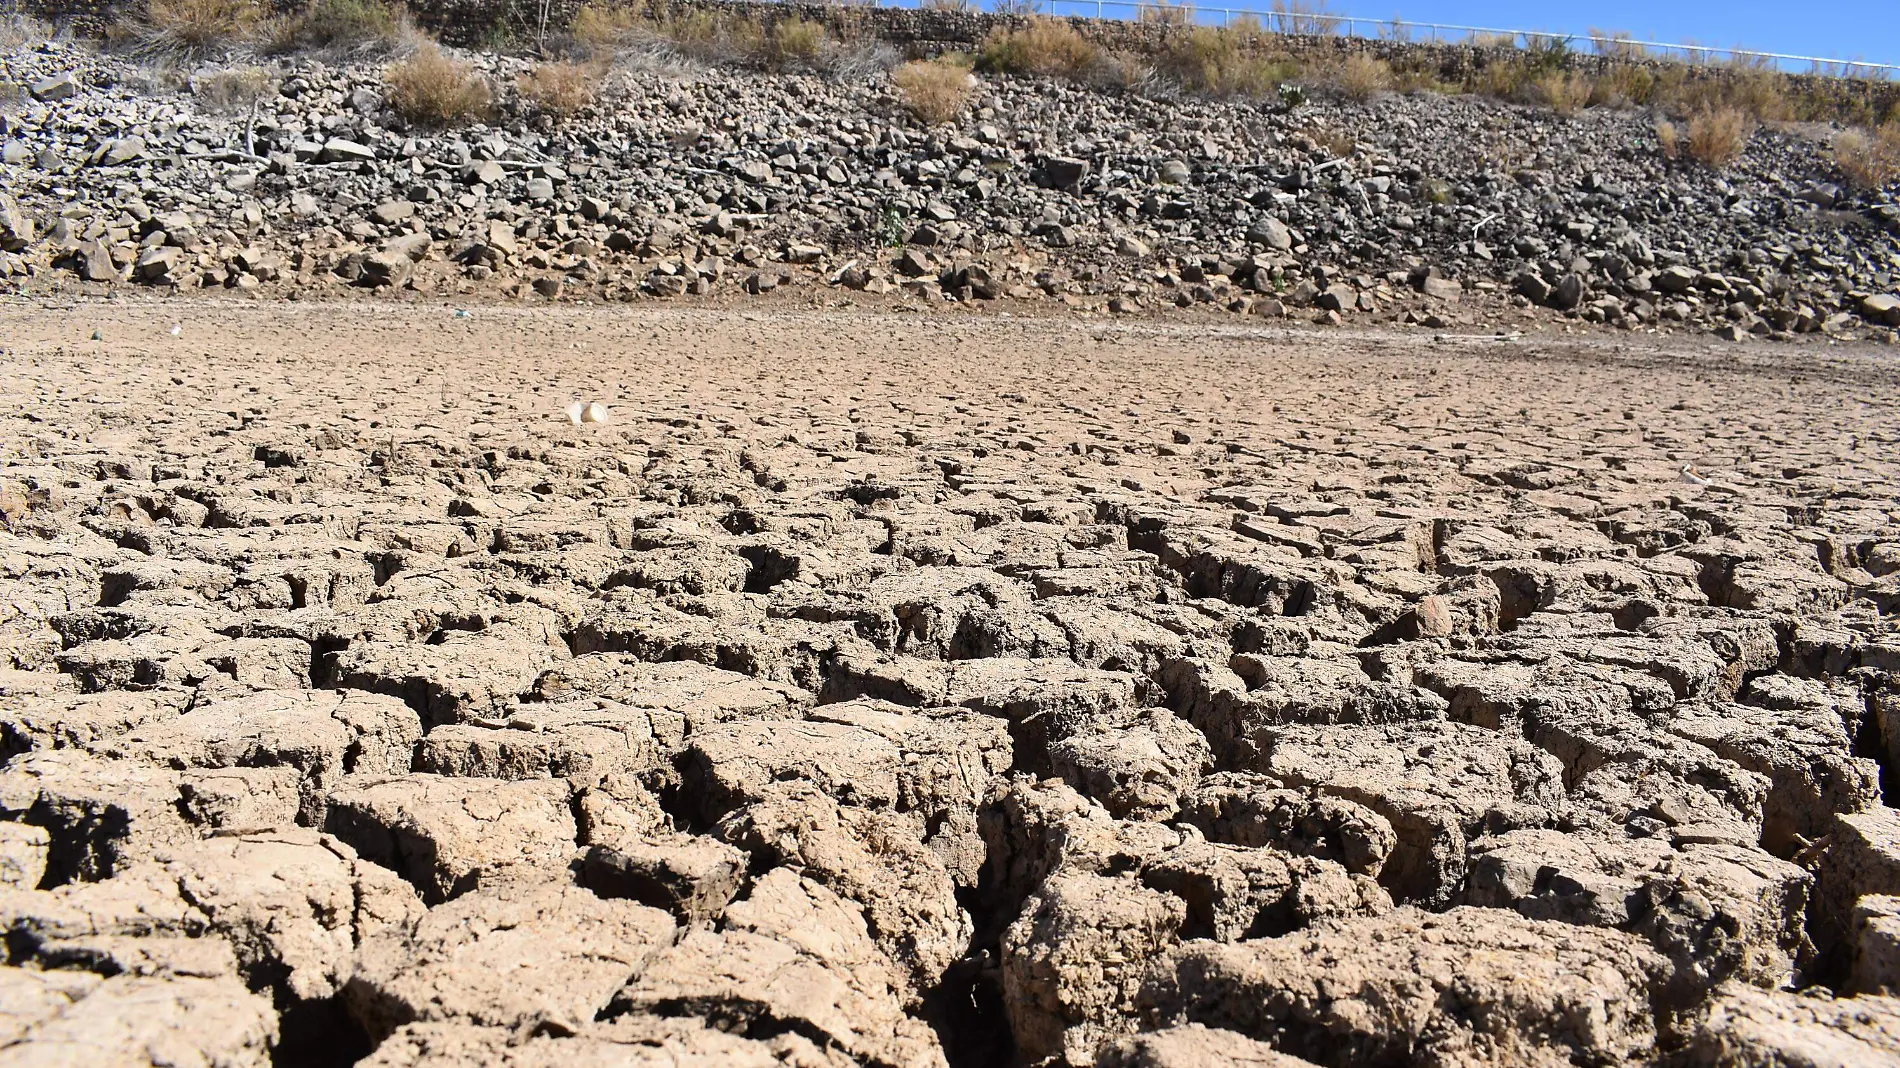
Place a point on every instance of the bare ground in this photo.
(1028, 684)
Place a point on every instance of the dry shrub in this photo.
(796, 43)
(561, 89)
(1302, 17)
(1165, 13)
(1566, 92)
(1617, 44)
(598, 28)
(435, 89)
(1491, 40)
(711, 36)
(1361, 77)
(363, 26)
(1718, 135)
(195, 27)
(1870, 160)
(236, 89)
(1224, 62)
(1505, 79)
(934, 90)
(1045, 46)
(1669, 138)
(1623, 85)
(963, 6)
(1336, 141)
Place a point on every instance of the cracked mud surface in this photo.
(911, 691)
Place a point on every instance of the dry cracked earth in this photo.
(937, 689)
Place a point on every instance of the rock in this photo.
(158, 264)
(1074, 960)
(486, 172)
(1747, 1026)
(694, 878)
(1064, 172)
(95, 263)
(289, 909)
(886, 863)
(342, 150)
(1676, 279)
(386, 269)
(322, 736)
(445, 835)
(137, 1020)
(16, 226)
(1365, 989)
(391, 212)
(1272, 233)
(23, 850)
(1191, 1046)
(104, 816)
(1567, 293)
(1875, 930)
(56, 88)
(792, 957)
(1881, 308)
(522, 957)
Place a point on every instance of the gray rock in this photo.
(56, 88)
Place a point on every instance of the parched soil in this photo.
(950, 688)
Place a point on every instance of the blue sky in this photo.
(1845, 29)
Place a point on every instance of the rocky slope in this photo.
(688, 180)
(902, 691)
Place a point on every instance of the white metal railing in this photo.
(1327, 23)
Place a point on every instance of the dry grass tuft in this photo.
(1870, 160)
(193, 28)
(1565, 92)
(934, 90)
(1166, 13)
(1045, 46)
(796, 44)
(561, 89)
(1225, 62)
(1718, 134)
(598, 28)
(434, 89)
(1302, 17)
(353, 26)
(236, 89)
(1361, 77)
(1669, 138)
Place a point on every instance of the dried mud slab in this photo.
(937, 691)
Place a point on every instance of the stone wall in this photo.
(925, 32)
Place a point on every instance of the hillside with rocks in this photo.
(689, 179)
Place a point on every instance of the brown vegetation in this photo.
(1046, 46)
(435, 89)
(1870, 159)
(561, 89)
(1718, 134)
(1362, 77)
(344, 25)
(190, 28)
(1566, 92)
(933, 90)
